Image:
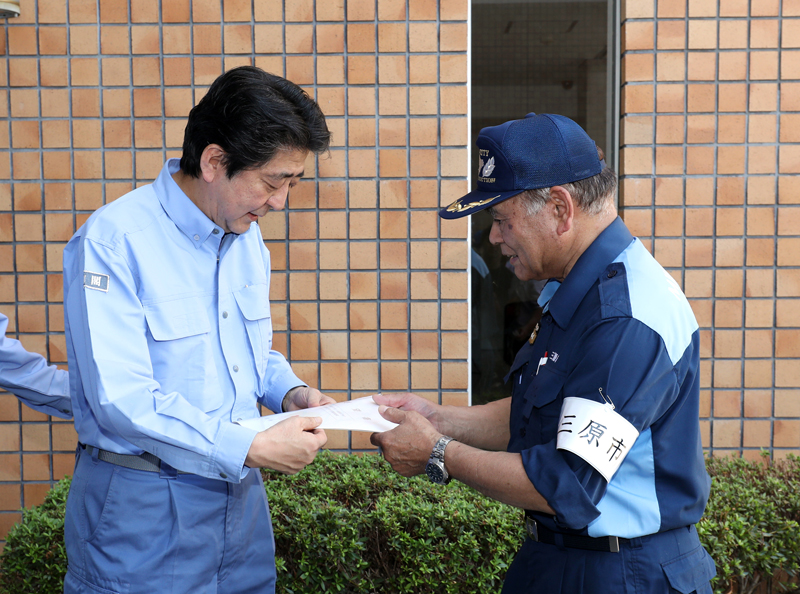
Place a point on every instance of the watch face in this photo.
(435, 473)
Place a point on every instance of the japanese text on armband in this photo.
(595, 433)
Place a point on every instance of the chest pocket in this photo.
(179, 318)
(180, 351)
(542, 404)
(253, 302)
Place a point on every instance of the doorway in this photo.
(542, 57)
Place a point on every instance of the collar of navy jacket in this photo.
(590, 265)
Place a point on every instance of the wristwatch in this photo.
(435, 468)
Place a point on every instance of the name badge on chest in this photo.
(595, 433)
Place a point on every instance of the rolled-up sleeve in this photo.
(628, 361)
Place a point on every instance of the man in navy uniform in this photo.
(169, 338)
(600, 441)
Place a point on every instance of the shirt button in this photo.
(522, 432)
(223, 475)
(224, 314)
(215, 231)
(612, 273)
(239, 420)
(197, 238)
(235, 368)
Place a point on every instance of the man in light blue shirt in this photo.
(169, 337)
(27, 375)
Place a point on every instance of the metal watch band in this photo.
(438, 449)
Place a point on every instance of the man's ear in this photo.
(211, 163)
(563, 207)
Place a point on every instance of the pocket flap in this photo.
(690, 572)
(179, 318)
(253, 301)
(544, 389)
(522, 357)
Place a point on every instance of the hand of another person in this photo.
(408, 401)
(288, 446)
(305, 397)
(408, 446)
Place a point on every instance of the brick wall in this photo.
(709, 165)
(96, 95)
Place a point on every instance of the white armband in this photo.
(596, 433)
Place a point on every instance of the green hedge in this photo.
(34, 558)
(751, 527)
(349, 524)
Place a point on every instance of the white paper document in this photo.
(360, 414)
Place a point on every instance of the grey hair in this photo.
(592, 195)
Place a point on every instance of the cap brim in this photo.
(475, 201)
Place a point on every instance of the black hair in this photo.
(252, 114)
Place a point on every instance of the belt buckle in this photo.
(532, 528)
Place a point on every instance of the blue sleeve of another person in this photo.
(27, 375)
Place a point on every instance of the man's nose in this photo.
(495, 237)
(278, 200)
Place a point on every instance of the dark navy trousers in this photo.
(663, 563)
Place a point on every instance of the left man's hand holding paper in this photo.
(291, 445)
(305, 397)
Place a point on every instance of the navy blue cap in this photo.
(538, 151)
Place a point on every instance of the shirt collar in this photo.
(590, 265)
(181, 210)
(547, 294)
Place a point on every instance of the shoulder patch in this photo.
(93, 280)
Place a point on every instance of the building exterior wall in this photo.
(709, 167)
(96, 95)
(369, 290)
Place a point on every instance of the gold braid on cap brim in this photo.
(458, 207)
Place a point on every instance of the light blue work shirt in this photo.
(169, 332)
(27, 375)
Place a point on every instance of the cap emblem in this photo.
(488, 168)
